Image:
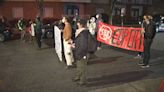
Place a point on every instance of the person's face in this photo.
(63, 19)
(97, 16)
(145, 17)
(3, 20)
(78, 25)
(92, 19)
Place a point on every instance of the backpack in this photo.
(92, 43)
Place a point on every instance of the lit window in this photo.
(48, 12)
(17, 12)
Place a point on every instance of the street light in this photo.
(112, 8)
(122, 16)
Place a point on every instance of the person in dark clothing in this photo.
(80, 52)
(22, 26)
(2, 24)
(98, 19)
(5, 34)
(149, 34)
(38, 31)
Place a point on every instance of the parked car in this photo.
(5, 35)
(159, 22)
(160, 25)
(48, 31)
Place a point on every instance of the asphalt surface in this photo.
(24, 68)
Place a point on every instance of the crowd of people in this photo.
(75, 40)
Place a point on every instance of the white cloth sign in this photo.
(58, 42)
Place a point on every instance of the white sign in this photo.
(58, 42)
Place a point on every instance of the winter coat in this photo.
(67, 33)
(81, 46)
(149, 30)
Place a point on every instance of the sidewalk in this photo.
(147, 85)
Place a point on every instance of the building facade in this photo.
(130, 10)
(14, 9)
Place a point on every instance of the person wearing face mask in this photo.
(149, 34)
(67, 41)
(92, 25)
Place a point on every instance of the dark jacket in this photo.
(81, 46)
(149, 30)
(2, 27)
(38, 27)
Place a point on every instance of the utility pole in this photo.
(112, 3)
(40, 7)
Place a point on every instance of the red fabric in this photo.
(162, 86)
(28, 30)
(122, 37)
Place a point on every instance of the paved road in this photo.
(23, 68)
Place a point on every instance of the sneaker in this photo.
(141, 63)
(75, 79)
(81, 83)
(70, 66)
(99, 48)
(145, 66)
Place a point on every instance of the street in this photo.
(24, 68)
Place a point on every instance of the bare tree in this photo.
(112, 5)
(40, 7)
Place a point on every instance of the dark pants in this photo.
(147, 44)
(38, 39)
(81, 70)
(98, 42)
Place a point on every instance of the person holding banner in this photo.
(67, 41)
(98, 19)
(149, 35)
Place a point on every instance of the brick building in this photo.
(134, 10)
(14, 9)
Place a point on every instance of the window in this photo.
(135, 13)
(117, 11)
(48, 12)
(17, 12)
(71, 9)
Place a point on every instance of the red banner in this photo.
(122, 37)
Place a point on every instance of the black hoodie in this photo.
(149, 30)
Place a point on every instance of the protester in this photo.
(67, 34)
(140, 54)
(31, 30)
(21, 26)
(4, 29)
(92, 25)
(149, 35)
(80, 52)
(75, 20)
(2, 24)
(98, 19)
(38, 31)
